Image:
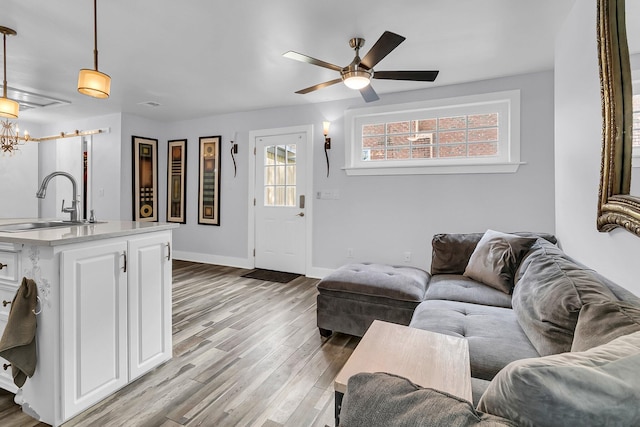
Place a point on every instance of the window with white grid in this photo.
(459, 135)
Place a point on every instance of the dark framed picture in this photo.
(177, 181)
(145, 178)
(209, 181)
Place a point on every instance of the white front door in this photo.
(280, 199)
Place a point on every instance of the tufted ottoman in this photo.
(355, 295)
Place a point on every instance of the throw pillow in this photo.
(599, 323)
(451, 251)
(598, 387)
(382, 400)
(496, 258)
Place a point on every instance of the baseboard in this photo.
(318, 272)
(212, 259)
(314, 272)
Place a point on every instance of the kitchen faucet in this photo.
(73, 210)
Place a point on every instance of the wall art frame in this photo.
(145, 179)
(209, 181)
(177, 181)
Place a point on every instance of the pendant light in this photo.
(93, 82)
(8, 107)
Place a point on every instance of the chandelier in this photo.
(9, 138)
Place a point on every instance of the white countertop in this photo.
(78, 233)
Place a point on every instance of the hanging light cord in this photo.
(4, 60)
(95, 33)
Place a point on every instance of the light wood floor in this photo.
(245, 353)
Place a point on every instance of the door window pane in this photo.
(280, 175)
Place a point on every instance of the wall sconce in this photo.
(93, 82)
(234, 151)
(327, 141)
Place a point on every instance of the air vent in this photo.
(152, 104)
(29, 100)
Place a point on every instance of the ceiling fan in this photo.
(358, 74)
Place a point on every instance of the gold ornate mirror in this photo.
(616, 206)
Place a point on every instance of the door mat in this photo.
(271, 276)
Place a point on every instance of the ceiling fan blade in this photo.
(369, 94)
(309, 60)
(385, 44)
(319, 86)
(420, 76)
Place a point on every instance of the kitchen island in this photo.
(103, 314)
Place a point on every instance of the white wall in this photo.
(578, 145)
(65, 154)
(379, 217)
(19, 178)
(19, 182)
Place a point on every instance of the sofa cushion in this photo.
(599, 323)
(451, 252)
(598, 387)
(478, 387)
(382, 400)
(548, 297)
(456, 287)
(378, 280)
(493, 333)
(496, 258)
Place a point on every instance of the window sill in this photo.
(434, 169)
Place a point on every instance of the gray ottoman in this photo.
(353, 296)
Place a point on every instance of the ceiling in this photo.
(198, 58)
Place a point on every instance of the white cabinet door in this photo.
(6, 378)
(149, 278)
(94, 324)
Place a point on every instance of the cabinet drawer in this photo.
(10, 268)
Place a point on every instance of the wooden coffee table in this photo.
(426, 358)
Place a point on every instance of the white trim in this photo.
(212, 259)
(439, 169)
(312, 272)
(253, 135)
(319, 272)
(507, 162)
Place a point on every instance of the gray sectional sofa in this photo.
(520, 301)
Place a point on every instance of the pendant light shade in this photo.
(8, 107)
(93, 82)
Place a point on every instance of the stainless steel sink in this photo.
(39, 225)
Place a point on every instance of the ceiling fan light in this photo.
(9, 108)
(94, 83)
(356, 79)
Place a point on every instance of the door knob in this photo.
(300, 214)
